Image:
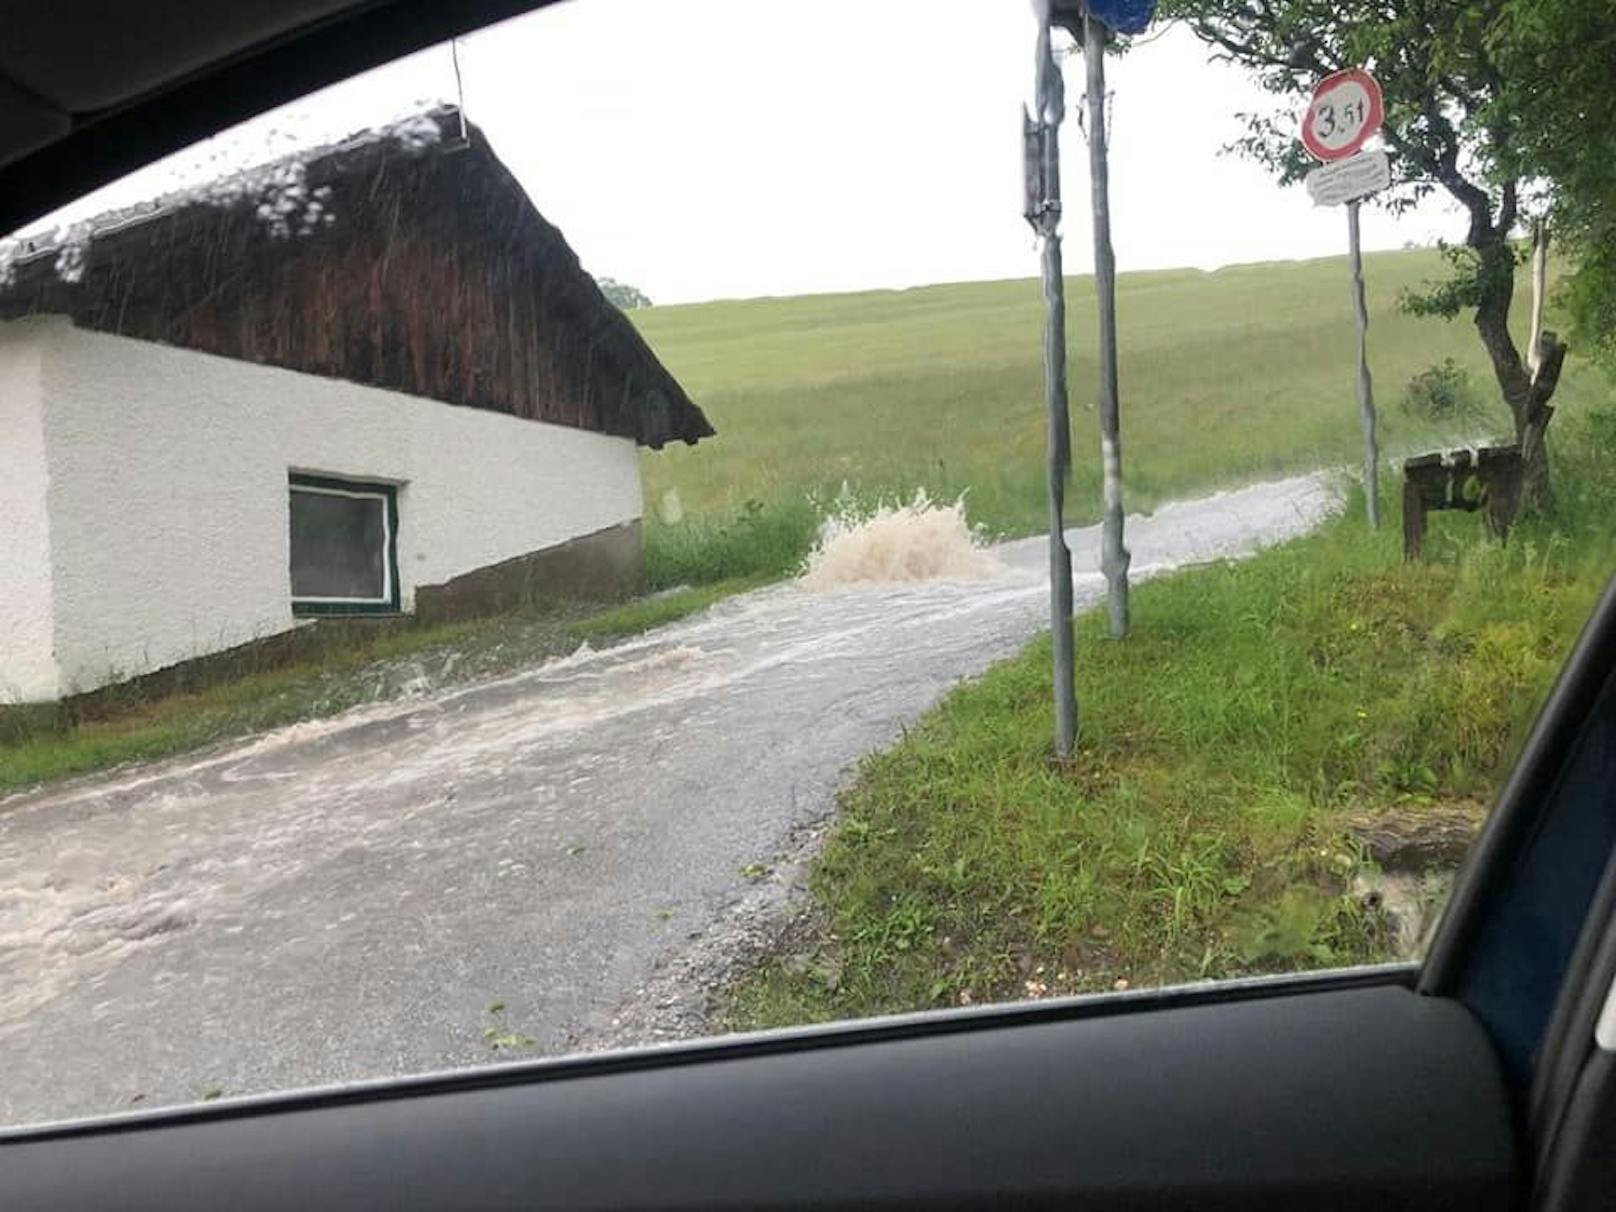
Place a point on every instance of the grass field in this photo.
(1201, 828)
(1226, 377)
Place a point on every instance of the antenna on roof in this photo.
(460, 95)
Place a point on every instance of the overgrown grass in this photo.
(350, 667)
(1198, 830)
(760, 542)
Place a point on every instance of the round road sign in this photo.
(1345, 110)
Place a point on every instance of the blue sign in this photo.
(1124, 16)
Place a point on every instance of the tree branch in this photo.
(1508, 207)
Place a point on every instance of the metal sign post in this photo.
(1114, 556)
(1089, 20)
(1345, 111)
(1041, 148)
(1366, 389)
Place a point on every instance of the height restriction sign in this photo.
(1345, 110)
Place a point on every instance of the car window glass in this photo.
(545, 546)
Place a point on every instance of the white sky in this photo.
(729, 148)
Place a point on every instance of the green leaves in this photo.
(1502, 103)
(1556, 59)
(1431, 60)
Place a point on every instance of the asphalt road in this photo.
(348, 899)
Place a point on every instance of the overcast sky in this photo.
(728, 148)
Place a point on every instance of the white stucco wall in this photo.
(168, 492)
(27, 661)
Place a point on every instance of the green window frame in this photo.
(387, 602)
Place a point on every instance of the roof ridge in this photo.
(415, 131)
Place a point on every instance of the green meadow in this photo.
(1227, 377)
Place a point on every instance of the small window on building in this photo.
(344, 546)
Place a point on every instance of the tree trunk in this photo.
(1527, 405)
(1537, 494)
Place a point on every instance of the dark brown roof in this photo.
(407, 257)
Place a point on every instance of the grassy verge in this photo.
(351, 667)
(759, 542)
(1198, 832)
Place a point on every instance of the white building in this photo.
(371, 381)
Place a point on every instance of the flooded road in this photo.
(352, 898)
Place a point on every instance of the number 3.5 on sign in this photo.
(1345, 111)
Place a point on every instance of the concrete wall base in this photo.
(605, 565)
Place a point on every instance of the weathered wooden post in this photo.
(1041, 149)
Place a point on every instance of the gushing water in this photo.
(894, 544)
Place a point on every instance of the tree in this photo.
(622, 294)
(1450, 125)
(1558, 58)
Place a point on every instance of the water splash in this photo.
(920, 541)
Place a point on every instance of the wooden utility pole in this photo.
(1041, 148)
(1366, 390)
(1114, 556)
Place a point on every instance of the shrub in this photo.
(759, 541)
(1443, 393)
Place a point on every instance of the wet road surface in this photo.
(347, 898)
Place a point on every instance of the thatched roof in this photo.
(406, 257)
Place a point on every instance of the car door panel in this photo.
(1352, 1098)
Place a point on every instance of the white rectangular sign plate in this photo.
(1350, 179)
